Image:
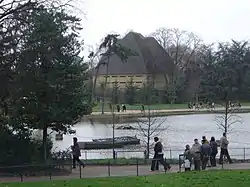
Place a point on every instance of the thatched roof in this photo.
(151, 58)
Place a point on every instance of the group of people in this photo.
(118, 108)
(204, 154)
(209, 105)
(199, 155)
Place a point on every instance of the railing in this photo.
(108, 167)
(24, 173)
(237, 153)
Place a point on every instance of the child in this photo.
(188, 158)
(187, 165)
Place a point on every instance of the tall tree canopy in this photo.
(226, 72)
(42, 73)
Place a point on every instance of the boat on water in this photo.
(107, 143)
(117, 139)
(59, 137)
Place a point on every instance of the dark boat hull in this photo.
(107, 144)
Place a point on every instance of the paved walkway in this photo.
(168, 110)
(103, 171)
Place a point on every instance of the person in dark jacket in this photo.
(76, 152)
(214, 151)
(158, 156)
(205, 150)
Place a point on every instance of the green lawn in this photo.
(192, 179)
(97, 108)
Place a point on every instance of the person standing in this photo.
(142, 108)
(118, 108)
(207, 142)
(187, 158)
(214, 149)
(158, 156)
(205, 139)
(76, 152)
(205, 150)
(224, 149)
(195, 150)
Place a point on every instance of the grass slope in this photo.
(222, 178)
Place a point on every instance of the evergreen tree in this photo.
(115, 93)
(51, 75)
(130, 92)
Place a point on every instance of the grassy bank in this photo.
(222, 178)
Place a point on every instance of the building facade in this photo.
(151, 62)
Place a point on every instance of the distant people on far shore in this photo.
(213, 106)
(123, 107)
(118, 108)
(142, 108)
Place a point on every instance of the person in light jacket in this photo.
(195, 150)
(158, 157)
(224, 149)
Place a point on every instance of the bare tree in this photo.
(228, 119)
(149, 127)
(94, 56)
(112, 109)
(183, 47)
(179, 44)
(10, 8)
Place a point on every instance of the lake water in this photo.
(182, 130)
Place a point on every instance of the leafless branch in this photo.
(149, 127)
(226, 121)
(181, 45)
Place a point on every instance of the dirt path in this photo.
(114, 171)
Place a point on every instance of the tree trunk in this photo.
(226, 117)
(94, 85)
(147, 155)
(45, 134)
(113, 128)
(105, 86)
(148, 133)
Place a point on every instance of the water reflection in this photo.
(183, 129)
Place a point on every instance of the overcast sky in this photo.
(212, 20)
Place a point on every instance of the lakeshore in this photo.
(131, 114)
